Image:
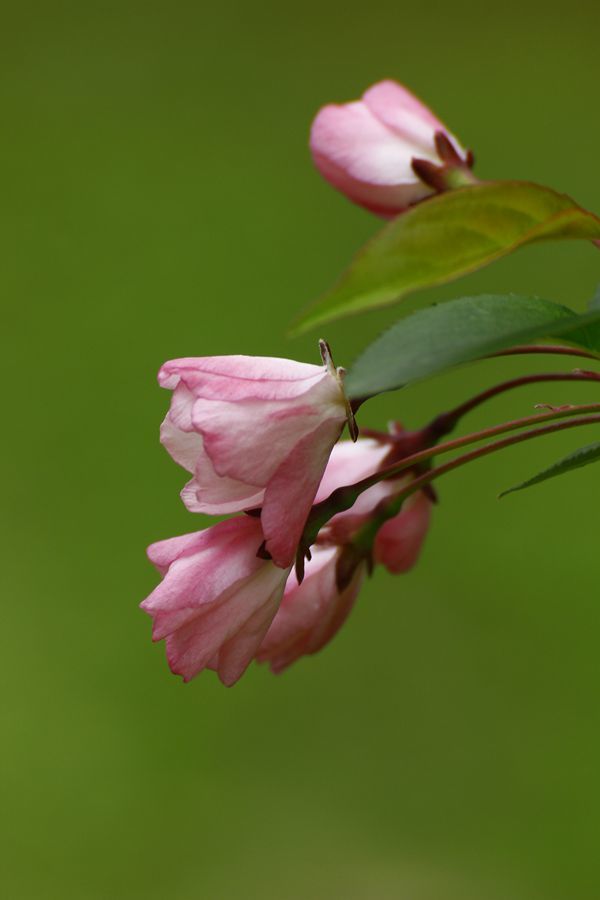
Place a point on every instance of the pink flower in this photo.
(216, 600)
(366, 148)
(399, 540)
(310, 613)
(255, 432)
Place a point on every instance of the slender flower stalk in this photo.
(367, 535)
(446, 422)
(551, 349)
(344, 497)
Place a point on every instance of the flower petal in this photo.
(290, 493)
(248, 441)
(310, 614)
(199, 567)
(352, 138)
(216, 496)
(351, 462)
(397, 108)
(233, 625)
(183, 446)
(236, 378)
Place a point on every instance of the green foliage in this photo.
(448, 236)
(576, 460)
(434, 339)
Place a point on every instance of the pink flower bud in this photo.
(311, 613)
(216, 600)
(366, 148)
(255, 432)
(399, 540)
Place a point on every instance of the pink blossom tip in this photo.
(366, 148)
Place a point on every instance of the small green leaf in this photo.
(439, 337)
(448, 236)
(576, 460)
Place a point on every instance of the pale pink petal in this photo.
(397, 108)
(348, 464)
(351, 462)
(180, 410)
(163, 553)
(207, 492)
(216, 496)
(386, 201)
(198, 567)
(248, 441)
(244, 612)
(290, 493)
(183, 446)
(238, 652)
(350, 137)
(236, 378)
(399, 541)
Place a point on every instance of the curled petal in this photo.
(207, 492)
(185, 447)
(212, 495)
(216, 600)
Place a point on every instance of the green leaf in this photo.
(576, 460)
(438, 337)
(447, 236)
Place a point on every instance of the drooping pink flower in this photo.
(254, 431)
(399, 540)
(366, 148)
(217, 599)
(310, 613)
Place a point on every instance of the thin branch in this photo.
(554, 349)
(446, 422)
(344, 497)
(427, 477)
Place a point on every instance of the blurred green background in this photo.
(158, 200)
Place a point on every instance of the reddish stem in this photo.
(446, 422)
(364, 539)
(555, 349)
(344, 497)
(424, 479)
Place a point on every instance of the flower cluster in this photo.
(260, 437)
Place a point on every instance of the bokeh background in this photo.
(157, 201)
